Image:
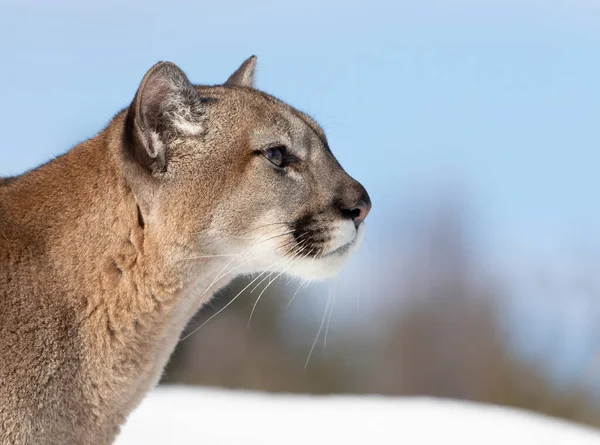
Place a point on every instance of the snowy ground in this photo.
(179, 415)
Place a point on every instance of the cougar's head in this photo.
(232, 172)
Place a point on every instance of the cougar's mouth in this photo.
(324, 239)
(323, 246)
(342, 250)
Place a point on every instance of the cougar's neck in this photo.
(131, 288)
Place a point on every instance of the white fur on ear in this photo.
(166, 104)
(244, 75)
(187, 127)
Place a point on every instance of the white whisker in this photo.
(222, 275)
(285, 269)
(271, 273)
(318, 334)
(224, 307)
(302, 284)
(358, 292)
(333, 293)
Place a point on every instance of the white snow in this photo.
(180, 415)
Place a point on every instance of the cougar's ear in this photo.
(166, 105)
(244, 75)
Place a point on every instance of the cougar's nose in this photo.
(359, 210)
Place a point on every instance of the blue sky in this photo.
(500, 99)
(496, 100)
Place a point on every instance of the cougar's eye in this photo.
(276, 155)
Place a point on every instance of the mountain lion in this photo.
(107, 251)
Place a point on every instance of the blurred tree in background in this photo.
(443, 336)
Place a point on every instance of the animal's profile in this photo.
(107, 251)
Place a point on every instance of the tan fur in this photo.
(108, 250)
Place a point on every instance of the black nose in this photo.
(359, 211)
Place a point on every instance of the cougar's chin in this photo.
(328, 264)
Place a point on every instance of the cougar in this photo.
(107, 251)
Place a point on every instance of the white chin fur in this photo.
(319, 268)
(330, 264)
